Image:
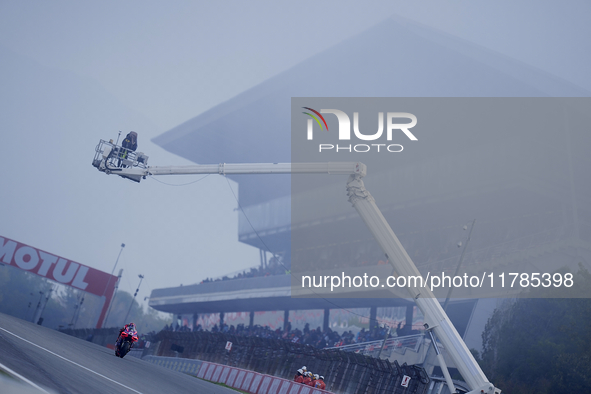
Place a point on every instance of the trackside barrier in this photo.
(344, 372)
(251, 382)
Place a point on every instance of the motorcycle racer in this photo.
(129, 330)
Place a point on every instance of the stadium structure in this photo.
(529, 212)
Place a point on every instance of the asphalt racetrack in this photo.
(59, 363)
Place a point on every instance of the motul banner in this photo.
(59, 269)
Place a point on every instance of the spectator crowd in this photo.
(317, 337)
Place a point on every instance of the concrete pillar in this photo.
(221, 318)
(373, 318)
(251, 319)
(409, 314)
(326, 318)
(285, 319)
(195, 319)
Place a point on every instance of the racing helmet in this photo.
(316, 376)
(322, 377)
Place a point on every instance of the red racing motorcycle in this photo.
(125, 342)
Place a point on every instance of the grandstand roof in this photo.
(394, 58)
(269, 293)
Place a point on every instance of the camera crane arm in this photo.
(436, 320)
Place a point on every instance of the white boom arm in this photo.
(113, 159)
(435, 317)
(342, 168)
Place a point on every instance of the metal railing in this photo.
(393, 345)
(344, 372)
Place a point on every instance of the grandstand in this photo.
(530, 211)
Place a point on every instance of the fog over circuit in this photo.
(73, 73)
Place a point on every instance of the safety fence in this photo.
(344, 372)
(248, 381)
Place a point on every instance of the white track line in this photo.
(70, 361)
(21, 377)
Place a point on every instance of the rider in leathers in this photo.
(131, 328)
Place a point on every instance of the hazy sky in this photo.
(75, 72)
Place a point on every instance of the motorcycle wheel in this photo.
(124, 349)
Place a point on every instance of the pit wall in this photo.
(241, 379)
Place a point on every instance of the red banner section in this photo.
(58, 269)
